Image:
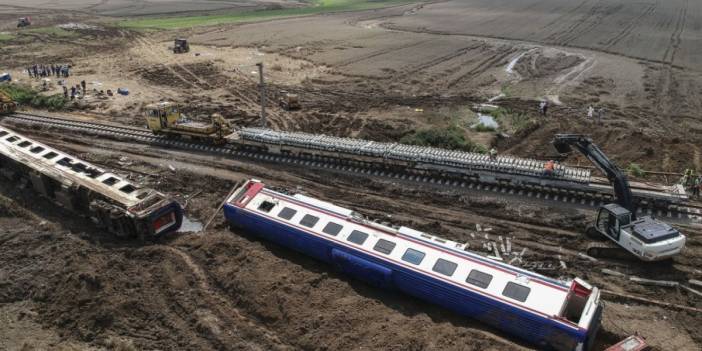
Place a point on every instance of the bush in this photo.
(635, 170)
(483, 128)
(447, 138)
(24, 95)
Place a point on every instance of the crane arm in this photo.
(564, 144)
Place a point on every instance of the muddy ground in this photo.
(380, 75)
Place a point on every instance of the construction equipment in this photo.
(645, 237)
(181, 46)
(164, 118)
(7, 105)
(289, 101)
(24, 22)
(631, 343)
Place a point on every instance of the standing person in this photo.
(29, 72)
(696, 187)
(542, 104)
(590, 112)
(549, 167)
(73, 93)
(600, 114)
(493, 154)
(545, 108)
(82, 85)
(65, 92)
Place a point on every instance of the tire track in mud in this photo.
(379, 53)
(483, 66)
(628, 29)
(676, 36)
(441, 59)
(222, 307)
(589, 21)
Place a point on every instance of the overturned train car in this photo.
(111, 201)
(551, 314)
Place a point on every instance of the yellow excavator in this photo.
(7, 106)
(164, 118)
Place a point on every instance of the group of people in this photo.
(78, 89)
(44, 71)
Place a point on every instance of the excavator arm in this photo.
(564, 143)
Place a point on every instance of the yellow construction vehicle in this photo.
(7, 106)
(164, 118)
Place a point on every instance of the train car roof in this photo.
(69, 170)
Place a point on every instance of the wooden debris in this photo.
(642, 300)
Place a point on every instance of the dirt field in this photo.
(379, 74)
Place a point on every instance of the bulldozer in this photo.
(24, 22)
(7, 105)
(165, 118)
(181, 46)
(289, 101)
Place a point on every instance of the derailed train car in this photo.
(113, 202)
(551, 314)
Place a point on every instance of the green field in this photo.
(316, 7)
(6, 36)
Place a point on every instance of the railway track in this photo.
(601, 194)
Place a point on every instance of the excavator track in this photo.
(607, 249)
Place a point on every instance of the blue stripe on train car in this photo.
(536, 329)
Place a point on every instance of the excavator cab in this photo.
(611, 218)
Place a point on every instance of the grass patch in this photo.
(447, 138)
(481, 128)
(24, 95)
(6, 36)
(635, 170)
(511, 121)
(53, 31)
(315, 7)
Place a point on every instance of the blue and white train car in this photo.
(551, 314)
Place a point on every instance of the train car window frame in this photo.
(25, 143)
(127, 189)
(516, 291)
(309, 220)
(36, 149)
(357, 237)
(3, 133)
(332, 229)
(384, 246)
(12, 139)
(266, 206)
(287, 213)
(444, 267)
(413, 256)
(479, 279)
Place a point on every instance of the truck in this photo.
(181, 46)
(617, 224)
(165, 118)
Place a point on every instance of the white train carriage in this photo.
(110, 200)
(552, 314)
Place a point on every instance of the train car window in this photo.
(479, 278)
(36, 149)
(309, 220)
(287, 213)
(93, 172)
(444, 267)
(413, 256)
(50, 155)
(357, 237)
(127, 189)
(12, 139)
(516, 291)
(66, 161)
(332, 228)
(3, 133)
(24, 144)
(384, 246)
(266, 206)
(110, 181)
